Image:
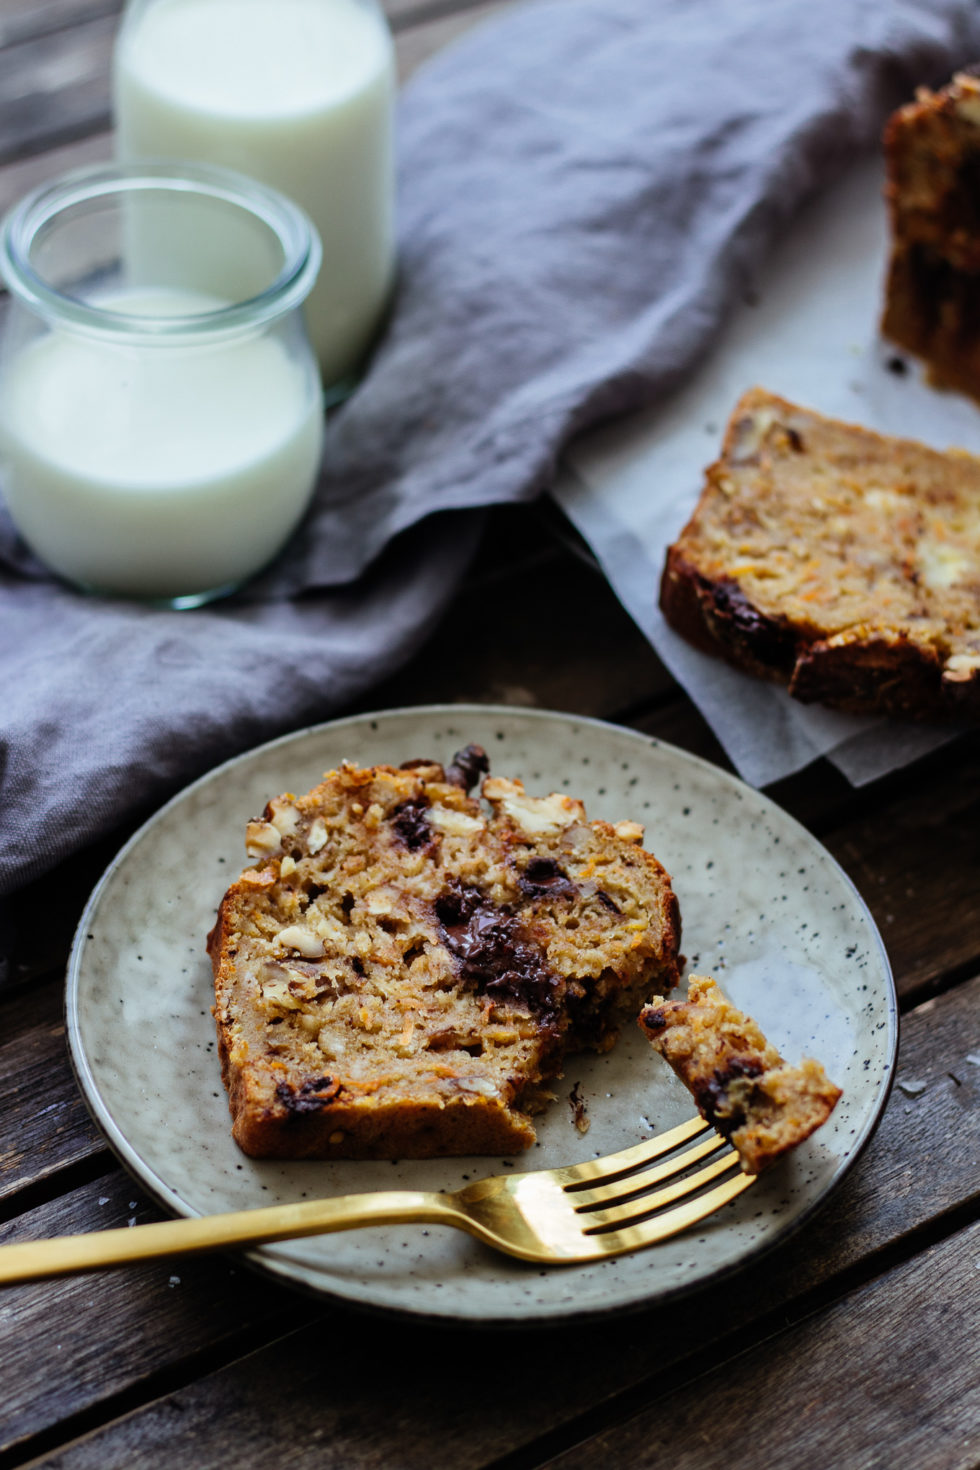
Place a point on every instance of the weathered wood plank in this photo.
(21, 22)
(534, 626)
(46, 1126)
(919, 870)
(889, 1375)
(23, 174)
(160, 1314)
(56, 88)
(320, 1389)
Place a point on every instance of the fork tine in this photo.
(613, 1166)
(622, 1187)
(669, 1222)
(637, 1205)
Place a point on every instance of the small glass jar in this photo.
(161, 415)
(299, 94)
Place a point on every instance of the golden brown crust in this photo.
(737, 1078)
(403, 970)
(932, 297)
(842, 563)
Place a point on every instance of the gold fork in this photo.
(584, 1212)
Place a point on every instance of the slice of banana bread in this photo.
(932, 295)
(739, 1081)
(402, 971)
(840, 562)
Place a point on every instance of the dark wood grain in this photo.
(56, 88)
(891, 1374)
(919, 871)
(46, 1127)
(534, 626)
(20, 22)
(72, 1344)
(20, 175)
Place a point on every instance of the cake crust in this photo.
(403, 969)
(842, 563)
(932, 293)
(738, 1079)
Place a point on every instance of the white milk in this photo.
(157, 470)
(298, 94)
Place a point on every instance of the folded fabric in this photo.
(584, 184)
(108, 708)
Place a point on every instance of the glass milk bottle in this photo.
(161, 424)
(300, 95)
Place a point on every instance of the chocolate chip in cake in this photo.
(467, 766)
(494, 950)
(411, 822)
(310, 1097)
(543, 876)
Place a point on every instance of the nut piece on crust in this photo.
(739, 1081)
(404, 969)
(932, 296)
(842, 563)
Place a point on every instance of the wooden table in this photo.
(855, 1344)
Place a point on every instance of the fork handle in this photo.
(34, 1260)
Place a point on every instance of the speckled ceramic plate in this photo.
(765, 908)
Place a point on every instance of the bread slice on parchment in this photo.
(842, 563)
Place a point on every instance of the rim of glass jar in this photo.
(293, 228)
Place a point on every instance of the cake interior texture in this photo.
(840, 562)
(738, 1079)
(404, 968)
(932, 294)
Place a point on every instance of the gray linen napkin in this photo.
(107, 707)
(584, 184)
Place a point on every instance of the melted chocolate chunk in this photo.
(313, 1095)
(543, 876)
(494, 952)
(743, 624)
(411, 823)
(467, 766)
(457, 904)
(711, 1096)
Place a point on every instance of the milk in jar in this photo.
(157, 474)
(298, 94)
(158, 439)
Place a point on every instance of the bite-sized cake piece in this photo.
(403, 970)
(932, 298)
(842, 563)
(739, 1081)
